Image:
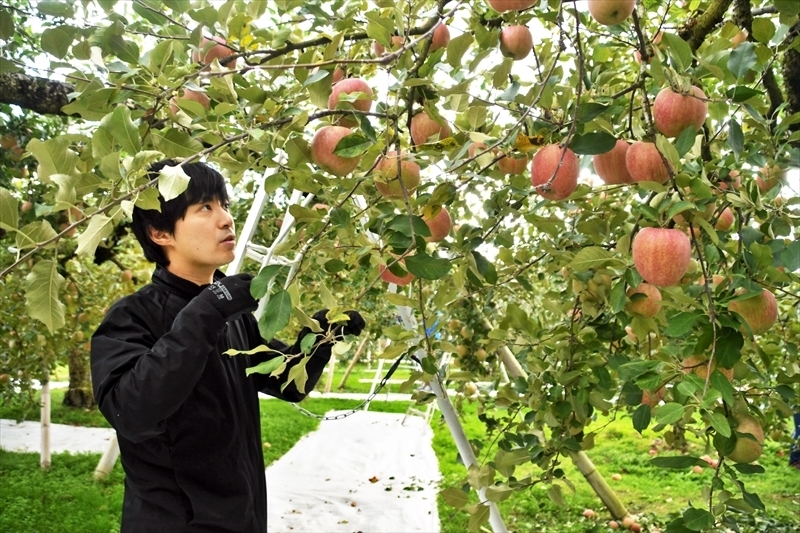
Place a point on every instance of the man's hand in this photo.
(354, 326)
(230, 296)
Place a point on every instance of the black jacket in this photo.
(186, 416)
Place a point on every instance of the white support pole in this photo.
(44, 456)
(331, 369)
(249, 229)
(108, 459)
(375, 381)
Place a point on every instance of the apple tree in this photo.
(590, 205)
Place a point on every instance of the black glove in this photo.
(230, 296)
(354, 326)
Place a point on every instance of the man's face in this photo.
(203, 241)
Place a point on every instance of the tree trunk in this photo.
(79, 393)
(37, 94)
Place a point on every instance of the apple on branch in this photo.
(424, 127)
(760, 312)
(611, 12)
(208, 52)
(661, 256)
(388, 175)
(644, 163)
(501, 6)
(647, 302)
(611, 166)
(516, 42)
(363, 101)
(322, 147)
(561, 162)
(440, 37)
(673, 112)
(749, 439)
(440, 225)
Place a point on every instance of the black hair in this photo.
(206, 184)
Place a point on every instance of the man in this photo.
(186, 415)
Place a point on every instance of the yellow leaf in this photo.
(526, 143)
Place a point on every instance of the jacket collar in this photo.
(184, 287)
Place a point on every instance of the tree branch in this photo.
(695, 30)
(791, 77)
(40, 95)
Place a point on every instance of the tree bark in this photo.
(79, 393)
(791, 77)
(40, 95)
(696, 29)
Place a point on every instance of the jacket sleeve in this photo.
(141, 378)
(314, 367)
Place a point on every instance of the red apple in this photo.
(739, 38)
(646, 307)
(697, 469)
(348, 86)
(644, 163)
(589, 513)
(208, 53)
(725, 220)
(616, 477)
(440, 38)
(424, 127)
(652, 398)
(674, 112)
(188, 94)
(613, 524)
(734, 181)
(546, 164)
(661, 256)
(389, 277)
(516, 42)
(746, 449)
(611, 166)
(611, 12)
(512, 165)
(476, 148)
(501, 6)
(769, 177)
(628, 521)
(126, 276)
(26, 206)
(760, 311)
(322, 146)
(388, 175)
(397, 42)
(698, 365)
(439, 225)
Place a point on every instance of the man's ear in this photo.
(159, 237)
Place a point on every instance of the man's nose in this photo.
(225, 218)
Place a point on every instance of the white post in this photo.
(331, 368)
(44, 457)
(108, 459)
(375, 381)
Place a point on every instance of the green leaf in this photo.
(335, 265)
(9, 210)
(680, 462)
(455, 497)
(697, 519)
(457, 47)
(742, 60)
(641, 418)
(172, 181)
(276, 315)
(763, 30)
(6, 25)
(679, 51)
(598, 142)
(752, 500)
(298, 375)
(7, 67)
(685, 141)
(353, 145)
(56, 42)
(669, 413)
(720, 424)
(787, 7)
(266, 367)
(749, 469)
(340, 217)
(426, 267)
(100, 227)
(175, 143)
(124, 130)
(592, 257)
(56, 8)
(54, 157)
(729, 347)
(34, 233)
(680, 207)
(480, 515)
(260, 285)
(42, 286)
(498, 493)
(735, 137)
(720, 383)
(589, 111)
(742, 93)
(617, 297)
(681, 324)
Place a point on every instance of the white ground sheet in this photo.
(27, 437)
(365, 473)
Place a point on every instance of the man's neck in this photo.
(194, 275)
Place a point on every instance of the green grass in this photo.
(654, 493)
